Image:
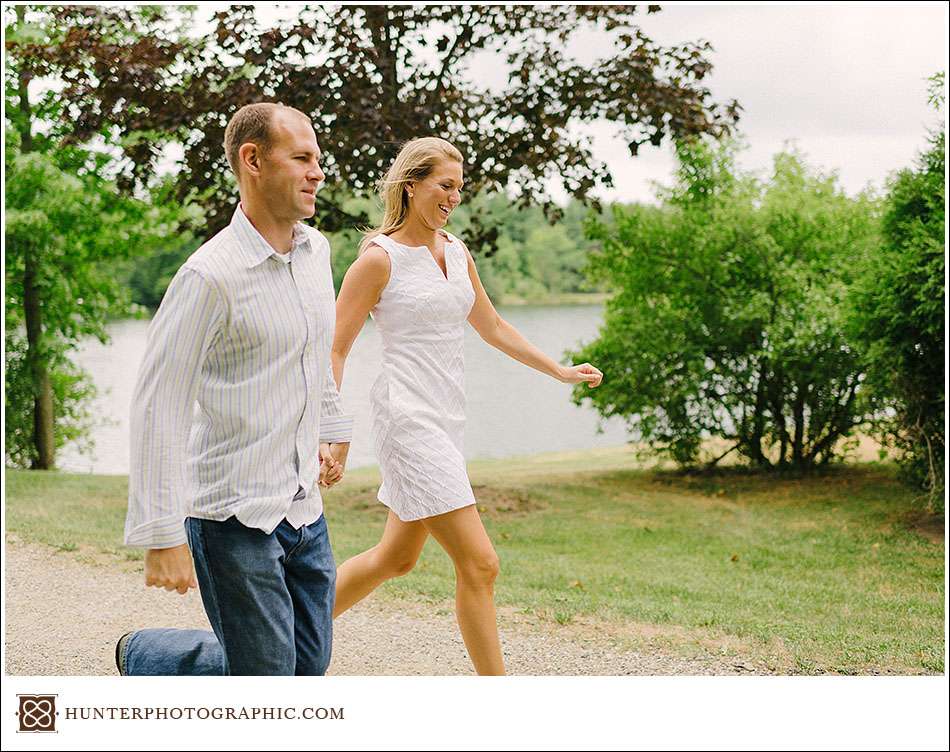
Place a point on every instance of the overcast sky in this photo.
(845, 82)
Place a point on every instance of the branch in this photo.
(713, 463)
(836, 429)
(467, 26)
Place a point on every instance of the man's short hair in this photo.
(252, 124)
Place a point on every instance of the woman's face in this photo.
(432, 199)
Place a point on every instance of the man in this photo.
(244, 331)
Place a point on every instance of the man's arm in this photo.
(336, 430)
(335, 425)
(179, 336)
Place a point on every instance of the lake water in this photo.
(512, 409)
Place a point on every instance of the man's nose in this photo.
(316, 174)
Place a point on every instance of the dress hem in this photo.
(460, 505)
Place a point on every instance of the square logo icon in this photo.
(37, 713)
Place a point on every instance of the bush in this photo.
(727, 322)
(898, 317)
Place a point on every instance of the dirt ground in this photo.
(65, 610)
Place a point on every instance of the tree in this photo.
(727, 320)
(898, 315)
(65, 226)
(372, 77)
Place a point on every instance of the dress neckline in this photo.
(449, 240)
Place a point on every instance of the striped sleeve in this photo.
(191, 314)
(335, 426)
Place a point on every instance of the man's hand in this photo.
(333, 459)
(170, 568)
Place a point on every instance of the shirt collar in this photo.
(254, 249)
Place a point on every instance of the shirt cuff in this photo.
(165, 532)
(336, 429)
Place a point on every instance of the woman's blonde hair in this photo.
(415, 160)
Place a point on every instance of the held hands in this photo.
(332, 463)
(584, 372)
(170, 568)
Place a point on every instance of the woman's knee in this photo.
(480, 568)
(396, 563)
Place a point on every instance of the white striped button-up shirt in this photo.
(236, 391)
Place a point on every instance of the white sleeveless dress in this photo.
(418, 401)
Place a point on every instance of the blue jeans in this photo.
(269, 599)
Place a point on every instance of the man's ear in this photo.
(249, 155)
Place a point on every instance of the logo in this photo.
(37, 713)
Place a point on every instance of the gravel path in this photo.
(64, 614)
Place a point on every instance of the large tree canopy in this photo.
(372, 77)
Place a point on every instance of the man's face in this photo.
(290, 170)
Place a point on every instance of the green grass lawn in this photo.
(832, 573)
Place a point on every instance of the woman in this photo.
(420, 285)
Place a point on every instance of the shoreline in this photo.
(142, 312)
(556, 299)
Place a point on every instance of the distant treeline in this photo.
(533, 261)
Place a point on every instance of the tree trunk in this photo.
(380, 26)
(777, 403)
(798, 446)
(43, 436)
(758, 420)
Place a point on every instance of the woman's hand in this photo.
(331, 471)
(583, 372)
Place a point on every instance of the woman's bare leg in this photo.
(394, 555)
(463, 537)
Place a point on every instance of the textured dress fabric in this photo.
(418, 401)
